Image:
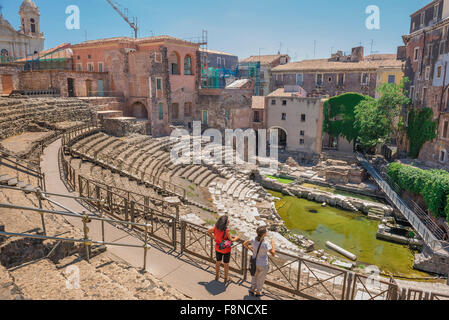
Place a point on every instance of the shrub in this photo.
(432, 185)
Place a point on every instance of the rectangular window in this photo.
(341, 79)
(441, 49)
(299, 79)
(90, 67)
(427, 73)
(159, 84)
(284, 116)
(204, 117)
(319, 79)
(435, 11)
(284, 102)
(303, 118)
(365, 79)
(412, 91)
(391, 79)
(79, 67)
(256, 116)
(227, 114)
(302, 133)
(100, 66)
(188, 108)
(273, 102)
(416, 54)
(424, 95)
(219, 61)
(446, 129)
(423, 18)
(439, 71)
(157, 57)
(301, 142)
(161, 111)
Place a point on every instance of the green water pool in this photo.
(351, 231)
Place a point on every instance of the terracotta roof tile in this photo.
(325, 65)
(264, 59)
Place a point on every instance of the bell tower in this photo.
(30, 19)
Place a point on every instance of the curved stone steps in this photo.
(208, 180)
(102, 146)
(233, 186)
(93, 150)
(201, 176)
(79, 144)
(106, 153)
(164, 168)
(189, 172)
(159, 162)
(196, 174)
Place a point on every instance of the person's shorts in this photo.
(225, 257)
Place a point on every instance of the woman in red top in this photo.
(221, 233)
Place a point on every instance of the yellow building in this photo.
(392, 74)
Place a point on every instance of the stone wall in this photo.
(9, 74)
(58, 79)
(343, 202)
(229, 110)
(121, 127)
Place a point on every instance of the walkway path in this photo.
(428, 237)
(179, 271)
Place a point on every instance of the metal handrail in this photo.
(414, 218)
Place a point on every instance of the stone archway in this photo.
(139, 111)
(282, 137)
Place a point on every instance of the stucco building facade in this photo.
(298, 119)
(427, 57)
(157, 76)
(339, 74)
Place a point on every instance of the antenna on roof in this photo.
(372, 45)
(1, 10)
(314, 49)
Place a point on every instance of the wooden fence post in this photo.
(349, 286)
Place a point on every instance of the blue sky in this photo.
(241, 27)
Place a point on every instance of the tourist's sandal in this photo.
(260, 294)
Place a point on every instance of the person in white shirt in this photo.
(262, 265)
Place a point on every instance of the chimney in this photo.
(357, 54)
(401, 54)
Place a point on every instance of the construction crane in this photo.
(133, 24)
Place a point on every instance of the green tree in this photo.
(421, 128)
(377, 120)
(339, 115)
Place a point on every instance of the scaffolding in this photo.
(250, 70)
(57, 60)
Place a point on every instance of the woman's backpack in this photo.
(253, 260)
(225, 244)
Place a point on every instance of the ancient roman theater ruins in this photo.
(85, 191)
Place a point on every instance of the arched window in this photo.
(33, 25)
(188, 65)
(4, 53)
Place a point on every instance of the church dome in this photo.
(26, 4)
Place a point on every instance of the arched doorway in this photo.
(139, 111)
(282, 137)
